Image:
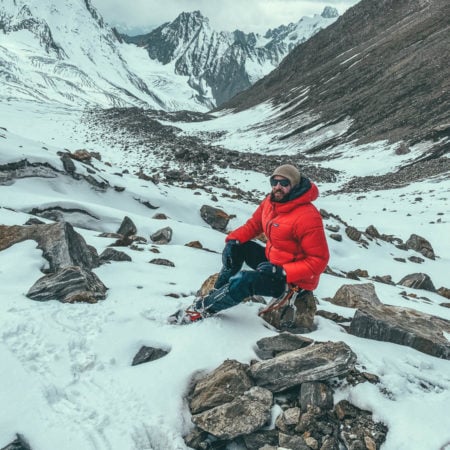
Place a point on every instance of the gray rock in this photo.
(162, 262)
(61, 245)
(215, 217)
(127, 227)
(244, 415)
(19, 443)
(353, 233)
(299, 319)
(147, 354)
(316, 394)
(24, 169)
(110, 254)
(287, 420)
(336, 236)
(403, 326)
(68, 282)
(356, 295)
(358, 430)
(372, 232)
(292, 442)
(317, 362)
(221, 386)
(162, 236)
(260, 439)
(418, 281)
(421, 245)
(269, 347)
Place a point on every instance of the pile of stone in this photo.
(285, 400)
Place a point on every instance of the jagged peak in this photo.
(195, 16)
(329, 12)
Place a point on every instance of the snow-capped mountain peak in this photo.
(221, 64)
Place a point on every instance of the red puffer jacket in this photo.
(295, 235)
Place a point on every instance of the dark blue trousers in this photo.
(234, 285)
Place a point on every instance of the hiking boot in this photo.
(186, 316)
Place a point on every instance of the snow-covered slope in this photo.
(66, 368)
(63, 52)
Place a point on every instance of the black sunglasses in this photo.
(284, 182)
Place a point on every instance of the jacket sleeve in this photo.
(315, 251)
(252, 228)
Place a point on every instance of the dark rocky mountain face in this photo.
(222, 64)
(383, 64)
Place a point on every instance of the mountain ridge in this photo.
(381, 65)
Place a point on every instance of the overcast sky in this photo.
(140, 16)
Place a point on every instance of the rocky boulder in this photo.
(297, 319)
(223, 385)
(61, 245)
(127, 227)
(215, 217)
(356, 295)
(110, 254)
(162, 236)
(403, 326)
(313, 363)
(418, 281)
(69, 284)
(269, 347)
(421, 245)
(243, 415)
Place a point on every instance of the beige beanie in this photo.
(288, 171)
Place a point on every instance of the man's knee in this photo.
(241, 285)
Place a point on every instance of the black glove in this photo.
(227, 254)
(269, 268)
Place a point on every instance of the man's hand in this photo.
(269, 268)
(227, 254)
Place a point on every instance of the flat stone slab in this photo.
(403, 326)
(316, 362)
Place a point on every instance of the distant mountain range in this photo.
(221, 64)
(65, 53)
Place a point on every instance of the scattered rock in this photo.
(421, 245)
(403, 326)
(336, 237)
(147, 354)
(127, 227)
(356, 295)
(162, 236)
(418, 281)
(297, 319)
(445, 292)
(160, 216)
(19, 443)
(333, 316)
(194, 244)
(66, 283)
(61, 245)
(316, 362)
(223, 385)
(215, 217)
(162, 262)
(111, 254)
(372, 232)
(333, 228)
(272, 346)
(244, 415)
(353, 233)
(316, 394)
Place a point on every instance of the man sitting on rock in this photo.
(296, 252)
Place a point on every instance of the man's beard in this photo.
(278, 199)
